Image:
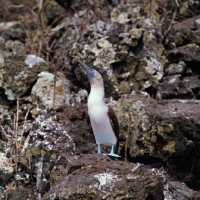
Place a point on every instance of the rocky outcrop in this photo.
(159, 128)
(17, 77)
(186, 32)
(176, 190)
(187, 53)
(124, 52)
(6, 169)
(46, 148)
(99, 177)
(51, 92)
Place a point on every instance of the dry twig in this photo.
(54, 89)
(170, 26)
(128, 130)
(8, 188)
(24, 125)
(13, 141)
(14, 137)
(4, 132)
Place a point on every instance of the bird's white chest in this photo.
(98, 114)
(97, 109)
(101, 125)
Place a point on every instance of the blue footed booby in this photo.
(101, 118)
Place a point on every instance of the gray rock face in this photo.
(177, 87)
(98, 177)
(152, 131)
(175, 68)
(173, 87)
(6, 169)
(129, 43)
(4, 114)
(19, 193)
(186, 53)
(45, 143)
(2, 192)
(143, 136)
(122, 51)
(32, 60)
(43, 91)
(16, 77)
(186, 31)
(176, 190)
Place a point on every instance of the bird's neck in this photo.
(96, 95)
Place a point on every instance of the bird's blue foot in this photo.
(112, 152)
(99, 149)
(113, 155)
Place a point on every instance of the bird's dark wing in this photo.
(114, 123)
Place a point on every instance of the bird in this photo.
(100, 117)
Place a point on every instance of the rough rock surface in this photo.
(152, 47)
(177, 190)
(47, 140)
(17, 78)
(122, 50)
(186, 32)
(186, 53)
(152, 131)
(43, 90)
(20, 193)
(62, 132)
(6, 169)
(177, 87)
(99, 177)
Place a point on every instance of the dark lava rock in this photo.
(185, 32)
(21, 193)
(176, 190)
(17, 77)
(159, 128)
(189, 52)
(173, 87)
(166, 130)
(123, 51)
(54, 134)
(175, 68)
(177, 87)
(95, 176)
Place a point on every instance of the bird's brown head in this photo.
(94, 76)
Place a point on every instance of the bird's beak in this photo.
(89, 71)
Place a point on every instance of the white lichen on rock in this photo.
(44, 90)
(6, 167)
(129, 176)
(2, 64)
(154, 68)
(32, 60)
(106, 181)
(136, 167)
(48, 124)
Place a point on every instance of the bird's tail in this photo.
(122, 138)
